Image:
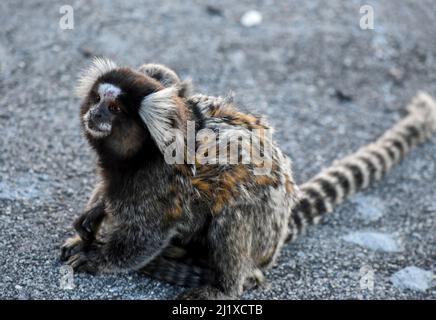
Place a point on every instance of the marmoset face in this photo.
(109, 114)
(125, 112)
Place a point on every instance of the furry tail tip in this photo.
(424, 107)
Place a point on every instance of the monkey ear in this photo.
(87, 78)
(168, 78)
(161, 73)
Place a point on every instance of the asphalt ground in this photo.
(326, 85)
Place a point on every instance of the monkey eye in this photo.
(114, 108)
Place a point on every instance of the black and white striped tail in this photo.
(358, 170)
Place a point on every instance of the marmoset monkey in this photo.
(219, 222)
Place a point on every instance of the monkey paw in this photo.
(84, 262)
(71, 247)
(203, 293)
(85, 226)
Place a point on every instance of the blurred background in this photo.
(329, 75)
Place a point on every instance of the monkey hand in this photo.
(89, 260)
(84, 227)
(70, 247)
(87, 224)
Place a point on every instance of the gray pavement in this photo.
(326, 85)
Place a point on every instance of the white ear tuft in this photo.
(99, 66)
(159, 112)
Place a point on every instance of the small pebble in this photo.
(374, 241)
(251, 18)
(213, 10)
(412, 278)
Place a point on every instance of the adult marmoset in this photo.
(213, 225)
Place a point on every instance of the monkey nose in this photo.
(98, 115)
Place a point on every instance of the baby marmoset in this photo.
(222, 223)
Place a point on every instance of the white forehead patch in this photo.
(108, 91)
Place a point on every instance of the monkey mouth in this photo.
(98, 130)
